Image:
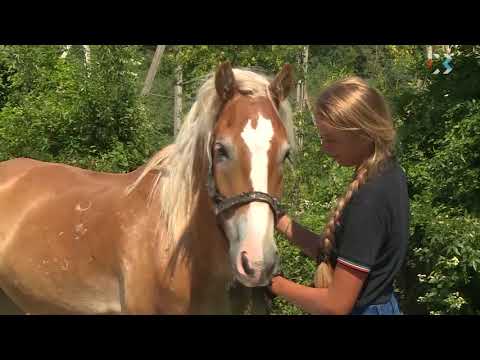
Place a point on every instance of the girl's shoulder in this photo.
(390, 180)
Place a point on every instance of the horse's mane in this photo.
(182, 165)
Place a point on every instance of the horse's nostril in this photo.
(246, 265)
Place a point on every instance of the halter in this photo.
(222, 203)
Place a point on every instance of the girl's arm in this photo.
(306, 240)
(338, 299)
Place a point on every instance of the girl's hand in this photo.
(271, 293)
(283, 223)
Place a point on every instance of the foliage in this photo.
(440, 140)
(68, 111)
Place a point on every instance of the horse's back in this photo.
(36, 194)
(26, 180)
(57, 222)
(11, 170)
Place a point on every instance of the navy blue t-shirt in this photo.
(373, 232)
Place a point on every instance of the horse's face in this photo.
(249, 149)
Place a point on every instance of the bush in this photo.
(440, 139)
(67, 111)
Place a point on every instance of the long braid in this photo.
(324, 273)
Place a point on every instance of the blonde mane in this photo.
(182, 166)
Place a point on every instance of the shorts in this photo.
(389, 308)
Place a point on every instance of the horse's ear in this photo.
(225, 81)
(282, 84)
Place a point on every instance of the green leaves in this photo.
(67, 110)
(440, 139)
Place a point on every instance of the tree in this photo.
(177, 107)
(152, 71)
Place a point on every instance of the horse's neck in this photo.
(209, 267)
(209, 244)
(210, 241)
(197, 266)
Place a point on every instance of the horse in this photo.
(173, 235)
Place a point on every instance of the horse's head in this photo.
(248, 149)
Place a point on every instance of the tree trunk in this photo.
(302, 99)
(65, 52)
(152, 71)
(429, 52)
(87, 54)
(86, 48)
(301, 84)
(305, 71)
(299, 87)
(177, 107)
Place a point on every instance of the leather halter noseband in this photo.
(223, 203)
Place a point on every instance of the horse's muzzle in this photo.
(253, 274)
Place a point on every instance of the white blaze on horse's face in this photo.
(258, 142)
(254, 254)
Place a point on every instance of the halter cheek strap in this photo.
(222, 203)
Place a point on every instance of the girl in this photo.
(364, 243)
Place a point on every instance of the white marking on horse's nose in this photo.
(258, 141)
(259, 232)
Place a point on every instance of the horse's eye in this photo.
(287, 156)
(221, 151)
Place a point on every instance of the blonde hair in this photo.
(352, 105)
(183, 165)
